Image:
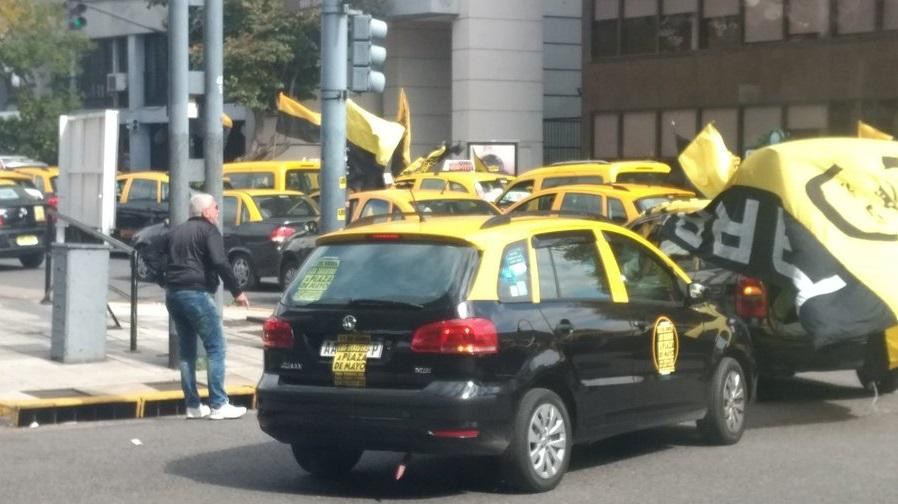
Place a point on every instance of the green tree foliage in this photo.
(39, 52)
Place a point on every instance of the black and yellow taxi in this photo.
(511, 336)
(22, 223)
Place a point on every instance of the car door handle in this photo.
(642, 325)
(564, 329)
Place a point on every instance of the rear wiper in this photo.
(383, 302)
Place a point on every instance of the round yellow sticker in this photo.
(665, 346)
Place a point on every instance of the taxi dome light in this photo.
(277, 333)
(474, 336)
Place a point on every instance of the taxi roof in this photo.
(470, 229)
(311, 164)
(621, 190)
(419, 195)
(262, 192)
(646, 165)
(39, 170)
(147, 174)
(13, 175)
(457, 175)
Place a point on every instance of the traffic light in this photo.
(76, 16)
(364, 55)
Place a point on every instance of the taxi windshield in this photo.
(456, 207)
(396, 272)
(305, 181)
(284, 206)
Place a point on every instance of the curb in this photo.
(34, 412)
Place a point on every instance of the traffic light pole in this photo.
(334, 35)
(177, 134)
(213, 136)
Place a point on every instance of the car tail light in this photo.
(474, 336)
(277, 333)
(53, 202)
(281, 233)
(751, 298)
(384, 236)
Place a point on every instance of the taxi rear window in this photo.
(456, 207)
(648, 178)
(252, 180)
(572, 180)
(384, 273)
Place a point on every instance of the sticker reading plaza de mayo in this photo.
(665, 346)
(317, 280)
(350, 359)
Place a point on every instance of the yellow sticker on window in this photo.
(665, 346)
(341, 214)
(350, 360)
(342, 182)
(317, 280)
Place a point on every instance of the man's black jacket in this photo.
(196, 258)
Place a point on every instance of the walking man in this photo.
(196, 259)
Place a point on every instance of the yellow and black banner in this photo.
(819, 217)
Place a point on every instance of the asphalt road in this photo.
(813, 441)
(24, 282)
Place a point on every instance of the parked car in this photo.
(620, 203)
(398, 202)
(142, 200)
(299, 176)
(22, 223)
(583, 172)
(254, 224)
(487, 186)
(534, 333)
(782, 346)
(44, 179)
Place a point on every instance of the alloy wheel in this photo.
(547, 440)
(734, 400)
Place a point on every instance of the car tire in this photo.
(327, 463)
(541, 430)
(886, 384)
(727, 401)
(32, 260)
(288, 272)
(244, 272)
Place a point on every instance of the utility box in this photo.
(80, 279)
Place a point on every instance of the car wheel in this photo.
(142, 270)
(728, 397)
(540, 448)
(325, 462)
(886, 384)
(32, 260)
(244, 272)
(288, 272)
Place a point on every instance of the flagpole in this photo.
(334, 39)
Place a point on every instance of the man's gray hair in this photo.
(200, 202)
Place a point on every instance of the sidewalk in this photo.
(34, 388)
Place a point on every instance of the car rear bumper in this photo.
(10, 240)
(388, 419)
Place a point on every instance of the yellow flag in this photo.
(404, 117)
(479, 165)
(373, 134)
(226, 121)
(708, 163)
(424, 163)
(864, 130)
(292, 107)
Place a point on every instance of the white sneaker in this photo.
(227, 412)
(201, 412)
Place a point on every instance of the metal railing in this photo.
(52, 215)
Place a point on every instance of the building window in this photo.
(890, 15)
(808, 18)
(605, 28)
(640, 132)
(676, 123)
(807, 121)
(726, 121)
(855, 16)
(721, 24)
(763, 20)
(678, 30)
(758, 123)
(156, 71)
(640, 27)
(605, 129)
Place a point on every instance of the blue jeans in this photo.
(193, 313)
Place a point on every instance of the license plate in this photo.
(26, 240)
(375, 349)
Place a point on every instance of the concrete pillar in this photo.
(497, 75)
(138, 133)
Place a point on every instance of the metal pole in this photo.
(213, 142)
(134, 300)
(334, 39)
(177, 134)
(48, 259)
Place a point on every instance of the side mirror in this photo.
(697, 292)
